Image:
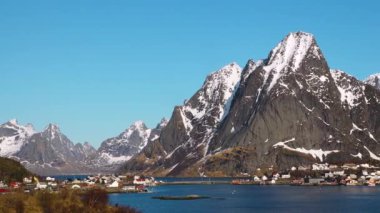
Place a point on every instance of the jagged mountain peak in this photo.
(162, 123)
(138, 125)
(13, 136)
(13, 122)
(121, 148)
(373, 80)
(52, 128)
(289, 56)
(351, 90)
(27, 130)
(52, 131)
(224, 74)
(292, 50)
(218, 88)
(87, 144)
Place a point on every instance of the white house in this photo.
(41, 185)
(50, 179)
(114, 184)
(27, 180)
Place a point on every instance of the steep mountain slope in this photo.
(287, 110)
(13, 136)
(127, 144)
(117, 150)
(374, 80)
(188, 132)
(293, 111)
(51, 152)
(44, 153)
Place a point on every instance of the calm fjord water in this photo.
(250, 198)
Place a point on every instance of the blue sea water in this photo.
(69, 177)
(252, 198)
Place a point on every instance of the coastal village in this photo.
(318, 175)
(111, 183)
(315, 175)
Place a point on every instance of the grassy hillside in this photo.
(11, 170)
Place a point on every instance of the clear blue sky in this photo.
(94, 67)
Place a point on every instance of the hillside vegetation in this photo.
(11, 170)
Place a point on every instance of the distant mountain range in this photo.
(289, 109)
(50, 152)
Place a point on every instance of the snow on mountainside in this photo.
(51, 152)
(374, 80)
(130, 142)
(193, 124)
(124, 146)
(287, 110)
(215, 94)
(210, 105)
(351, 90)
(288, 55)
(46, 152)
(13, 136)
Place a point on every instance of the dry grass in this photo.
(93, 201)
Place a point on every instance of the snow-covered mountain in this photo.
(126, 144)
(46, 152)
(192, 125)
(50, 152)
(287, 110)
(13, 136)
(117, 150)
(374, 80)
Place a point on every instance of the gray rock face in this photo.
(13, 136)
(50, 152)
(127, 144)
(186, 137)
(45, 153)
(374, 80)
(115, 151)
(287, 110)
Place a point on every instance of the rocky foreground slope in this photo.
(287, 110)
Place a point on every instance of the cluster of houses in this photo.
(320, 174)
(111, 183)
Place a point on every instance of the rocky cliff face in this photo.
(45, 153)
(374, 80)
(186, 137)
(50, 152)
(117, 150)
(13, 137)
(287, 110)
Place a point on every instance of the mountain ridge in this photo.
(284, 114)
(290, 109)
